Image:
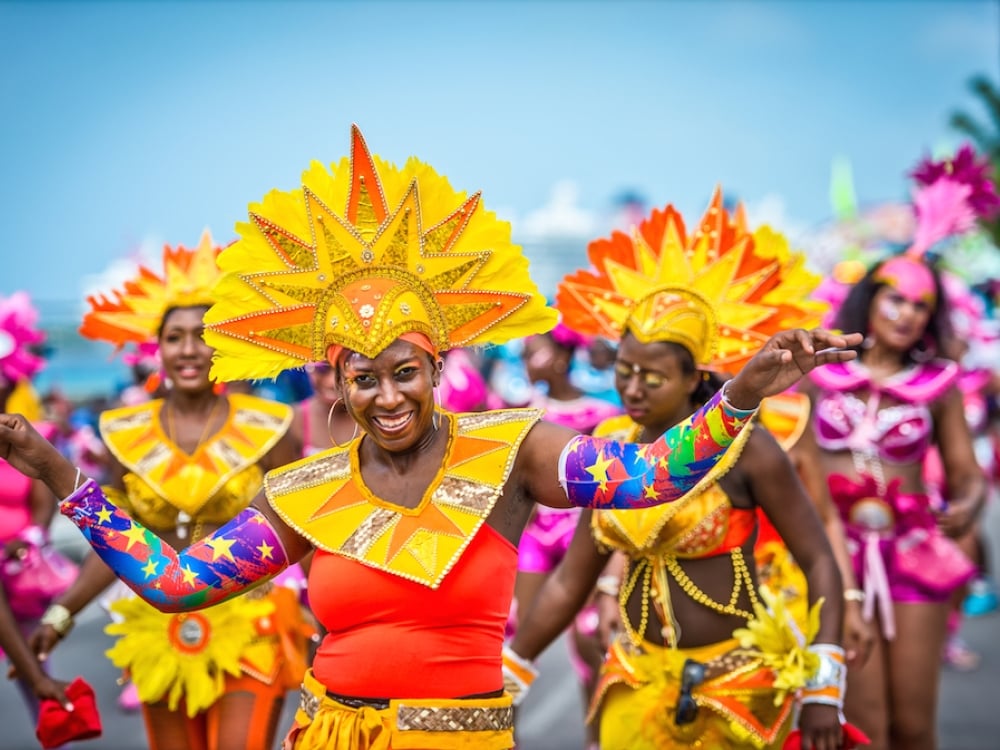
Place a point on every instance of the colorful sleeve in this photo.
(603, 473)
(236, 557)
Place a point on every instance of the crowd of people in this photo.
(757, 532)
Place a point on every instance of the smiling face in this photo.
(186, 357)
(898, 321)
(392, 395)
(654, 384)
(544, 360)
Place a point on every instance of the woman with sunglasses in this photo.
(415, 524)
(704, 659)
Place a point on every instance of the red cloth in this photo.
(852, 738)
(57, 726)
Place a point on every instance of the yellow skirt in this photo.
(322, 723)
(639, 689)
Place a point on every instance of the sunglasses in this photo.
(649, 378)
(692, 675)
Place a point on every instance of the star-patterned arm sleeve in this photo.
(607, 474)
(239, 555)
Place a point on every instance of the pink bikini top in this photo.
(902, 431)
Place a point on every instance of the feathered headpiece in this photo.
(359, 256)
(134, 313)
(18, 333)
(720, 292)
(950, 196)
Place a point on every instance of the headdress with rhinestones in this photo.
(360, 255)
(720, 292)
(133, 314)
(19, 333)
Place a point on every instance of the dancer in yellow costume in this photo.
(185, 465)
(704, 659)
(376, 270)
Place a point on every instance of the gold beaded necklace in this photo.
(184, 519)
(644, 569)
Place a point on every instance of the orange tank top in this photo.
(389, 637)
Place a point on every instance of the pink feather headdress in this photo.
(18, 333)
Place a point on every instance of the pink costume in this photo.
(899, 553)
(550, 530)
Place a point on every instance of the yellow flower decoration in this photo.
(782, 646)
(183, 655)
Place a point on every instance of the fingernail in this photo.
(68, 706)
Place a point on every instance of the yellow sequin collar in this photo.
(135, 436)
(324, 499)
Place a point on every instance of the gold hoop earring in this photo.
(329, 426)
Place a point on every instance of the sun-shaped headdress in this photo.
(134, 313)
(360, 255)
(721, 291)
(19, 333)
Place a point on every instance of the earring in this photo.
(868, 342)
(923, 351)
(436, 416)
(329, 426)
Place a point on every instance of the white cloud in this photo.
(148, 252)
(561, 218)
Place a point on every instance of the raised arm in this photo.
(601, 473)
(248, 550)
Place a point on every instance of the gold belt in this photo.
(421, 715)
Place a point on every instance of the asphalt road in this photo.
(552, 715)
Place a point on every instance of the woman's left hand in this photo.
(784, 359)
(957, 517)
(820, 727)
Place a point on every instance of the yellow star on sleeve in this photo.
(265, 550)
(104, 515)
(650, 492)
(599, 469)
(221, 548)
(190, 577)
(150, 568)
(136, 535)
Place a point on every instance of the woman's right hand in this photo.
(49, 688)
(609, 619)
(859, 635)
(27, 451)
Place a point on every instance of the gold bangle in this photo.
(59, 619)
(854, 595)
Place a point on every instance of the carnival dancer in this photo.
(185, 465)
(875, 419)
(703, 658)
(377, 269)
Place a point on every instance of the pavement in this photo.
(551, 718)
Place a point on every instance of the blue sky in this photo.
(136, 123)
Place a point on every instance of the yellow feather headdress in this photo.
(360, 255)
(720, 292)
(134, 313)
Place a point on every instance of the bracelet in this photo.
(829, 683)
(608, 585)
(724, 397)
(518, 674)
(854, 595)
(59, 619)
(34, 535)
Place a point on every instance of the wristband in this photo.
(34, 535)
(724, 395)
(854, 595)
(59, 619)
(829, 683)
(518, 674)
(608, 585)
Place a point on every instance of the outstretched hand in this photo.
(27, 451)
(784, 359)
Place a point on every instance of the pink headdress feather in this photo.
(18, 333)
